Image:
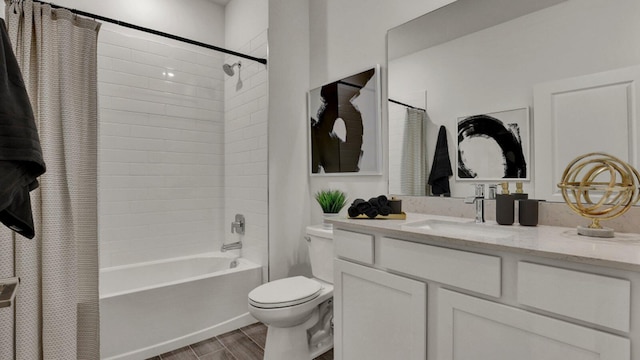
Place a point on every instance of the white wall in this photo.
(312, 43)
(244, 20)
(288, 179)
(246, 146)
(200, 20)
(354, 33)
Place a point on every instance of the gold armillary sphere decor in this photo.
(599, 186)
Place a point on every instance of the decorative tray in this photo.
(401, 216)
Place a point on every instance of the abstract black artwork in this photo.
(494, 146)
(344, 131)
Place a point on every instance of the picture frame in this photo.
(494, 146)
(345, 126)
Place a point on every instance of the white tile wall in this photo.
(161, 149)
(246, 182)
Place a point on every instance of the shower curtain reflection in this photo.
(413, 166)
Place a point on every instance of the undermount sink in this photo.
(461, 228)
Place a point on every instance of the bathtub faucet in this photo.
(238, 225)
(233, 246)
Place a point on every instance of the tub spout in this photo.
(232, 246)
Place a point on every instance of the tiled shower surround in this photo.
(161, 149)
(245, 147)
(166, 153)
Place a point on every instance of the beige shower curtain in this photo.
(413, 166)
(56, 311)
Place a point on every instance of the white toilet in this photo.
(299, 310)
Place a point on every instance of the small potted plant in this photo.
(331, 202)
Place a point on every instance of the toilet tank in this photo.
(320, 241)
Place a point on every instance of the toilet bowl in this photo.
(298, 311)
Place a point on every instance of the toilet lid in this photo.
(285, 292)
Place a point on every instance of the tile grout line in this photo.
(190, 348)
(224, 348)
(250, 338)
(233, 357)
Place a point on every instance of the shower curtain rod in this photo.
(156, 32)
(406, 105)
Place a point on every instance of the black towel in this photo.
(441, 168)
(20, 153)
(375, 206)
(358, 206)
(355, 208)
(381, 203)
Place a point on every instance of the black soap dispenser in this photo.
(395, 205)
(518, 195)
(505, 206)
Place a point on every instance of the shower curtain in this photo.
(56, 314)
(413, 165)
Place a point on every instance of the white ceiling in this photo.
(221, 2)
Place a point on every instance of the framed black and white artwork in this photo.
(494, 146)
(345, 126)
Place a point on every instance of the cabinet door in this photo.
(470, 328)
(378, 315)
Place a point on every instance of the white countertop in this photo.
(622, 251)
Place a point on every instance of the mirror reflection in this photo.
(506, 60)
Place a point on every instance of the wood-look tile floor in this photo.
(246, 343)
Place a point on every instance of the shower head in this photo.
(228, 69)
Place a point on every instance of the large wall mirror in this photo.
(560, 76)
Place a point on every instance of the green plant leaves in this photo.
(331, 201)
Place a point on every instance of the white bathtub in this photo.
(150, 308)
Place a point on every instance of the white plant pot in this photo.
(327, 216)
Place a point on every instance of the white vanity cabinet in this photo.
(379, 315)
(472, 328)
(400, 296)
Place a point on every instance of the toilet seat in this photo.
(285, 292)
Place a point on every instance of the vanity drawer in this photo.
(593, 298)
(353, 246)
(466, 270)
